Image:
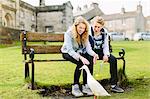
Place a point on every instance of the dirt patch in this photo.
(57, 92)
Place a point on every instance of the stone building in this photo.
(21, 15)
(88, 12)
(147, 24)
(26, 17)
(17, 14)
(8, 10)
(54, 18)
(125, 22)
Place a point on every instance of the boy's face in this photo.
(97, 27)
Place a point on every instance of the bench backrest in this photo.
(27, 37)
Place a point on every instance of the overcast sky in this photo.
(107, 6)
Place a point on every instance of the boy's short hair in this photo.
(98, 19)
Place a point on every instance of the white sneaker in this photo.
(116, 89)
(76, 91)
(86, 90)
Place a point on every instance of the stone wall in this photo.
(53, 19)
(8, 35)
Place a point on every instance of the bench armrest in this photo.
(122, 53)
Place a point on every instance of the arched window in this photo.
(8, 20)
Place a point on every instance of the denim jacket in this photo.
(71, 47)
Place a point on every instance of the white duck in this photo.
(94, 85)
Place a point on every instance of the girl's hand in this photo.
(84, 60)
(95, 58)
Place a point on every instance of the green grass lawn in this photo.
(12, 84)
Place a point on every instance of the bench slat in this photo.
(52, 60)
(35, 37)
(47, 49)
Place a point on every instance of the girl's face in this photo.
(97, 27)
(81, 28)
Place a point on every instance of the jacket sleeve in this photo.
(89, 49)
(106, 45)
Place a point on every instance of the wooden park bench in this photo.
(32, 49)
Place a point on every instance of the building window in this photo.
(22, 14)
(33, 17)
(22, 26)
(8, 20)
(33, 28)
(110, 24)
(63, 21)
(49, 29)
(138, 30)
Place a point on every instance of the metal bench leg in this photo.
(26, 70)
(124, 63)
(32, 81)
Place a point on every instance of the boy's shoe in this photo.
(76, 91)
(86, 90)
(117, 89)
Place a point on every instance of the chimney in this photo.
(94, 5)
(42, 3)
(78, 8)
(85, 6)
(139, 8)
(122, 10)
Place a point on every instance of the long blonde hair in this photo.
(84, 37)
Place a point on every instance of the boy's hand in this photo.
(105, 58)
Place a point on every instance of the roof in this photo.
(89, 13)
(51, 8)
(120, 15)
(27, 5)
